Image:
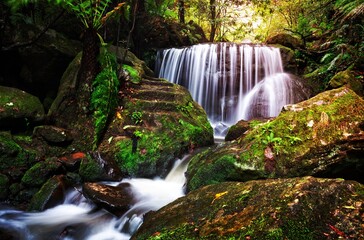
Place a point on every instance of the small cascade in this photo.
(231, 81)
(77, 218)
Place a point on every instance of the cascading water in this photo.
(230, 81)
(78, 219)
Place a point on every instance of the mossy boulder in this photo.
(237, 130)
(40, 172)
(322, 136)
(51, 194)
(348, 78)
(297, 208)
(14, 159)
(19, 109)
(159, 121)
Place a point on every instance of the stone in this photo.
(322, 136)
(52, 134)
(116, 199)
(19, 109)
(293, 208)
(51, 194)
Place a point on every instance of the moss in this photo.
(222, 169)
(43, 196)
(40, 172)
(4, 185)
(133, 74)
(12, 155)
(90, 170)
(178, 233)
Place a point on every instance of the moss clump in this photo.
(12, 155)
(133, 74)
(39, 173)
(90, 170)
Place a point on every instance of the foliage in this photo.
(133, 73)
(105, 92)
(92, 13)
(137, 116)
(162, 8)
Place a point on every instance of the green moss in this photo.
(133, 73)
(12, 154)
(4, 185)
(40, 172)
(178, 233)
(90, 170)
(222, 169)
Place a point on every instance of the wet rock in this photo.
(51, 194)
(296, 208)
(19, 109)
(237, 130)
(116, 199)
(322, 136)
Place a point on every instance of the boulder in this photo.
(36, 67)
(52, 134)
(295, 208)
(348, 78)
(285, 39)
(237, 130)
(51, 194)
(158, 122)
(19, 109)
(323, 136)
(14, 159)
(116, 199)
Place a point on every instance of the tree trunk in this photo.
(89, 68)
(181, 11)
(213, 19)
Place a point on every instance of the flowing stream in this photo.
(231, 81)
(78, 219)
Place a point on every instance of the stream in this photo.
(79, 219)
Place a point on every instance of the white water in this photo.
(77, 219)
(230, 81)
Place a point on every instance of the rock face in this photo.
(322, 136)
(19, 109)
(158, 122)
(296, 208)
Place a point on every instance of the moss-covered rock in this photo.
(4, 186)
(348, 78)
(295, 208)
(19, 109)
(50, 195)
(322, 136)
(159, 121)
(39, 173)
(14, 159)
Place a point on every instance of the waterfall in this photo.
(77, 218)
(231, 81)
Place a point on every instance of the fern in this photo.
(105, 92)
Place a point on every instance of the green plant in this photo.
(105, 92)
(133, 73)
(136, 116)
